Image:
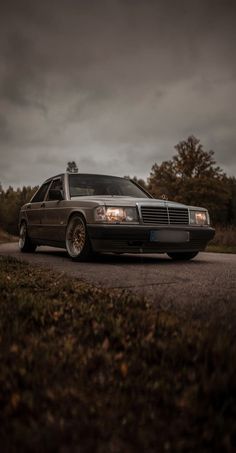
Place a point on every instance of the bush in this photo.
(225, 235)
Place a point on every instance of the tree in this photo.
(72, 167)
(139, 181)
(191, 177)
(10, 203)
(232, 201)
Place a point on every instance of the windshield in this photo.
(93, 185)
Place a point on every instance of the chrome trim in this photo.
(140, 219)
(66, 185)
(168, 212)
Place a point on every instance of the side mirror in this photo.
(55, 194)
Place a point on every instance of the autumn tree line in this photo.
(190, 177)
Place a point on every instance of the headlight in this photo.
(113, 214)
(199, 218)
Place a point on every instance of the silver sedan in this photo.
(87, 213)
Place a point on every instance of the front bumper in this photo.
(136, 238)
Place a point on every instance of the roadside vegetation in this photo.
(224, 240)
(6, 237)
(92, 370)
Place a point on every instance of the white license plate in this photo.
(169, 236)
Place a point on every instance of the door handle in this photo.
(43, 205)
(28, 206)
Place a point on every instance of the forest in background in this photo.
(190, 177)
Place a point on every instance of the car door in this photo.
(34, 212)
(54, 218)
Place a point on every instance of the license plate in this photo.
(169, 236)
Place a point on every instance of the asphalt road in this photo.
(208, 280)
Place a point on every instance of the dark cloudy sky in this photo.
(114, 84)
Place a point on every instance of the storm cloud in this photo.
(114, 84)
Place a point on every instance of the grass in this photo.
(221, 248)
(86, 370)
(224, 240)
(6, 237)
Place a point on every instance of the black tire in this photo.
(77, 240)
(182, 256)
(25, 244)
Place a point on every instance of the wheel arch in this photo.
(74, 213)
(23, 219)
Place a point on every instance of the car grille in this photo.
(164, 215)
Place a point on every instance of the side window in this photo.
(39, 196)
(56, 185)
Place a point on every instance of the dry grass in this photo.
(224, 240)
(225, 236)
(6, 237)
(92, 370)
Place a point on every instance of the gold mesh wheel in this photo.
(77, 243)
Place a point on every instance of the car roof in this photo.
(53, 177)
(83, 174)
(96, 174)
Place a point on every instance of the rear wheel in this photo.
(77, 241)
(184, 256)
(25, 244)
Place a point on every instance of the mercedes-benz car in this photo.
(86, 214)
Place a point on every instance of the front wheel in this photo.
(184, 256)
(25, 244)
(77, 241)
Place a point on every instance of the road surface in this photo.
(208, 280)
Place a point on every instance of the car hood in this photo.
(128, 201)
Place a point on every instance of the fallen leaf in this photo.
(14, 348)
(50, 418)
(149, 336)
(106, 344)
(124, 369)
(119, 356)
(15, 400)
